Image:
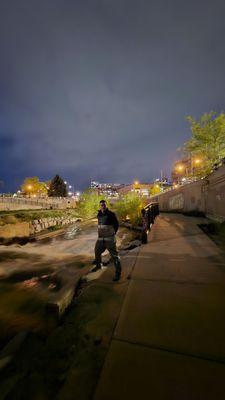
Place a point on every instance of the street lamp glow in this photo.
(136, 182)
(180, 167)
(65, 182)
(78, 193)
(29, 187)
(70, 187)
(197, 161)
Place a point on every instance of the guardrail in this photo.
(148, 215)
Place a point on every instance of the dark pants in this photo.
(109, 244)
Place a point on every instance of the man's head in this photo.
(103, 205)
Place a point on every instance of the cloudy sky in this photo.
(100, 89)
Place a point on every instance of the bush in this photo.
(129, 206)
(88, 205)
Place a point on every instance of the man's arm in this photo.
(115, 222)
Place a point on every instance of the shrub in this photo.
(129, 206)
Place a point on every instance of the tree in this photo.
(57, 187)
(33, 187)
(207, 144)
(155, 189)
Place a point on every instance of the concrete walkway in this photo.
(169, 341)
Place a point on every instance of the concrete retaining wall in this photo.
(22, 203)
(206, 195)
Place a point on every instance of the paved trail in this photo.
(169, 341)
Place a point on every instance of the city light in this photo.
(180, 167)
(136, 182)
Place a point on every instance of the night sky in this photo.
(100, 89)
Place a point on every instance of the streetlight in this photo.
(29, 188)
(180, 167)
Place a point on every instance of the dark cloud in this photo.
(100, 89)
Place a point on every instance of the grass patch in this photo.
(54, 228)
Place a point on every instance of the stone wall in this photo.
(205, 195)
(26, 229)
(42, 224)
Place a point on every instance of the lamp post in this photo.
(180, 169)
(29, 188)
(195, 163)
(135, 184)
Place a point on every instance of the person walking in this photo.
(107, 227)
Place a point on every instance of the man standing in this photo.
(107, 227)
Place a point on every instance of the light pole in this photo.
(180, 168)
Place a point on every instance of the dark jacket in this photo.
(107, 223)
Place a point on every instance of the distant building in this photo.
(163, 183)
(107, 189)
(137, 187)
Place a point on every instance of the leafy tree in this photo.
(130, 206)
(155, 190)
(57, 187)
(33, 187)
(89, 203)
(207, 142)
